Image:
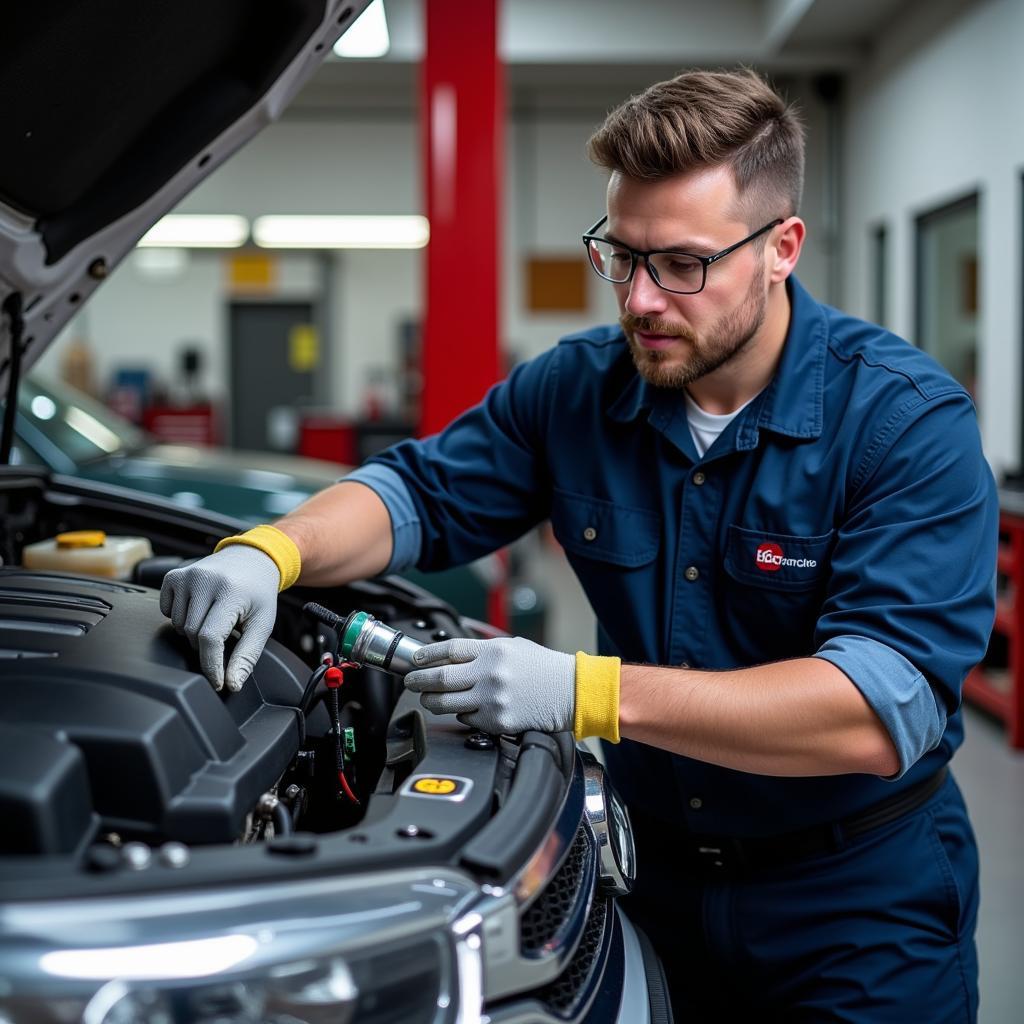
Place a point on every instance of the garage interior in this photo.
(359, 274)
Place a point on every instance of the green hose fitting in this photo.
(352, 631)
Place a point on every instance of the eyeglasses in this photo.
(684, 273)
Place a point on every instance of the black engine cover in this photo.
(108, 724)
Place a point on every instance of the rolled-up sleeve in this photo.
(896, 690)
(911, 597)
(406, 534)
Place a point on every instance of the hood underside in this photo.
(113, 110)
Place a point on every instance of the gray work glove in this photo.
(499, 686)
(207, 599)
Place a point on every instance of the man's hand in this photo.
(499, 686)
(206, 600)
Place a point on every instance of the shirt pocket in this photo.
(605, 531)
(774, 589)
(777, 561)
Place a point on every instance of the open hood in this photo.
(113, 111)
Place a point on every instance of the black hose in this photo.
(324, 615)
(282, 819)
(12, 307)
(309, 694)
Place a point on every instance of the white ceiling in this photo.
(575, 53)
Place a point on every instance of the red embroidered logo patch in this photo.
(771, 558)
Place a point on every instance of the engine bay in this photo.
(117, 754)
(141, 806)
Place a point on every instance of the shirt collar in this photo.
(792, 402)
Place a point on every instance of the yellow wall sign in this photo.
(303, 348)
(252, 271)
(436, 787)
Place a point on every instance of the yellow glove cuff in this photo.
(273, 542)
(597, 697)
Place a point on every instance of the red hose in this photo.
(347, 788)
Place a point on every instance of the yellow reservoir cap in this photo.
(82, 539)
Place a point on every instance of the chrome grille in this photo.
(564, 992)
(545, 917)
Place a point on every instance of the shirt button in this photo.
(699, 478)
(692, 572)
(696, 803)
(590, 533)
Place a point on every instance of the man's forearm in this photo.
(791, 718)
(343, 534)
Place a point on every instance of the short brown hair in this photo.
(703, 119)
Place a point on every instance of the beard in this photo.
(723, 341)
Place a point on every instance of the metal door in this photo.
(274, 359)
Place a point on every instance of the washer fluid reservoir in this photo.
(90, 552)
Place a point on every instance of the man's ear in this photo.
(784, 251)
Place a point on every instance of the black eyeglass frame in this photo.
(636, 255)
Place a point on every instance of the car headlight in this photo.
(609, 822)
(408, 982)
(399, 948)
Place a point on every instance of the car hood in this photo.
(247, 485)
(113, 112)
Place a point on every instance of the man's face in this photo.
(676, 339)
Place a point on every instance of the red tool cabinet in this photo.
(1001, 691)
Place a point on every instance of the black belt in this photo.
(718, 855)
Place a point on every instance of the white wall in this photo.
(553, 194)
(933, 116)
(374, 292)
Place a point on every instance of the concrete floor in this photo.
(990, 775)
(992, 779)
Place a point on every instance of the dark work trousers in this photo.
(880, 932)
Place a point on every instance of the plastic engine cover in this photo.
(109, 725)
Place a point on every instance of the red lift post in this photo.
(462, 113)
(462, 105)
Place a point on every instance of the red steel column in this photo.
(462, 114)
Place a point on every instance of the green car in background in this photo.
(68, 432)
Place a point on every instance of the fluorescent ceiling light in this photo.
(368, 36)
(341, 232)
(198, 231)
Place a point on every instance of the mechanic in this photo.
(787, 529)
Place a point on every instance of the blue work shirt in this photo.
(847, 513)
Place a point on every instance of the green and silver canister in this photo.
(365, 640)
(368, 641)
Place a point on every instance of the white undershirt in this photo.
(705, 427)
